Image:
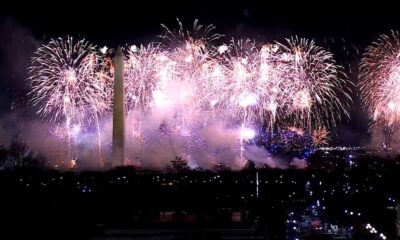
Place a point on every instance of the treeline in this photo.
(19, 155)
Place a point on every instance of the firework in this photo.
(379, 80)
(191, 52)
(241, 91)
(142, 75)
(105, 77)
(319, 90)
(193, 45)
(320, 137)
(190, 81)
(287, 141)
(64, 83)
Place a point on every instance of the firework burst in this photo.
(191, 51)
(319, 90)
(64, 83)
(380, 78)
(320, 137)
(142, 75)
(241, 94)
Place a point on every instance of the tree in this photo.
(178, 165)
(18, 155)
(250, 165)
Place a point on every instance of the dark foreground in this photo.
(344, 202)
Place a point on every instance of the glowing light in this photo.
(247, 133)
(223, 48)
(247, 100)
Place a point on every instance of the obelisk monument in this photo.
(118, 144)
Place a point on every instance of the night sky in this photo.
(24, 26)
(118, 22)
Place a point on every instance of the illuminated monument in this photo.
(118, 144)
